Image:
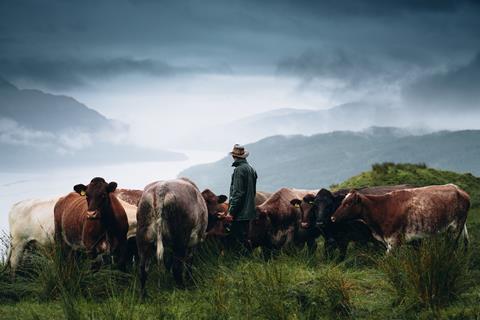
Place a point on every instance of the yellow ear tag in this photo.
(297, 205)
(83, 193)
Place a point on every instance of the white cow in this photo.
(31, 221)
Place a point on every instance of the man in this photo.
(242, 194)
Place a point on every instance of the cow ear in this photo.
(111, 187)
(80, 189)
(296, 202)
(309, 198)
(222, 198)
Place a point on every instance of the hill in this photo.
(414, 174)
(291, 121)
(324, 159)
(39, 130)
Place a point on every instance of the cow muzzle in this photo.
(305, 225)
(92, 215)
(333, 219)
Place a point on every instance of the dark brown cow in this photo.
(216, 222)
(217, 208)
(317, 210)
(277, 220)
(92, 219)
(171, 215)
(409, 214)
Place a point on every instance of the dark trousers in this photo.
(239, 235)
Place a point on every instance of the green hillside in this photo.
(436, 280)
(415, 174)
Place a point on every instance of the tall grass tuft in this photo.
(430, 275)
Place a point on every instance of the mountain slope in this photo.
(358, 115)
(41, 111)
(324, 159)
(40, 130)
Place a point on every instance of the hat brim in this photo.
(243, 156)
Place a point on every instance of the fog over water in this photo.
(19, 186)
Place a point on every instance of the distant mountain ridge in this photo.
(40, 130)
(42, 111)
(291, 121)
(324, 159)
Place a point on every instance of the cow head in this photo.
(351, 208)
(325, 205)
(97, 193)
(306, 206)
(215, 205)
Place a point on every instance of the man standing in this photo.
(242, 194)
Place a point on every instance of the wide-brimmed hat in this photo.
(239, 151)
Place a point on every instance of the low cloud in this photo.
(454, 89)
(66, 142)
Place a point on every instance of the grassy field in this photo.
(436, 280)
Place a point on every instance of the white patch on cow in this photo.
(131, 212)
(348, 195)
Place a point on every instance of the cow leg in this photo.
(122, 255)
(329, 248)
(343, 246)
(16, 255)
(189, 265)
(312, 246)
(145, 251)
(132, 253)
(178, 268)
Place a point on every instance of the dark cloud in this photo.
(65, 73)
(72, 42)
(453, 90)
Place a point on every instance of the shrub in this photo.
(432, 274)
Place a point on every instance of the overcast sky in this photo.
(159, 65)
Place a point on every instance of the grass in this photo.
(432, 281)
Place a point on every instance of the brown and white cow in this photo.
(92, 219)
(277, 220)
(172, 216)
(409, 214)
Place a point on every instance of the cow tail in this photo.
(167, 206)
(465, 236)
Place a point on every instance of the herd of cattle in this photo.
(168, 219)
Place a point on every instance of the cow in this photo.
(217, 222)
(31, 222)
(131, 196)
(92, 219)
(316, 211)
(217, 207)
(277, 220)
(172, 216)
(409, 214)
(129, 199)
